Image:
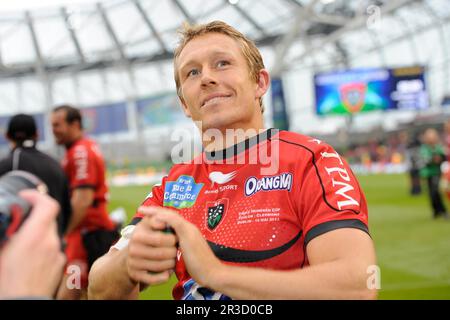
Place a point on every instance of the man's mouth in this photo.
(214, 99)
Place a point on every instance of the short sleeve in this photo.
(154, 198)
(330, 196)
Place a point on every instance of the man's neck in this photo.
(221, 139)
(74, 140)
(27, 144)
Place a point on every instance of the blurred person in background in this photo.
(298, 232)
(31, 261)
(413, 160)
(90, 231)
(447, 152)
(432, 155)
(22, 135)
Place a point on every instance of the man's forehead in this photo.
(217, 44)
(59, 115)
(191, 58)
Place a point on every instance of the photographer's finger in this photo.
(46, 207)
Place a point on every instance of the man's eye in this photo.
(193, 72)
(222, 63)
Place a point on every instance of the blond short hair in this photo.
(249, 50)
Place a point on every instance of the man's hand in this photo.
(151, 252)
(200, 261)
(31, 263)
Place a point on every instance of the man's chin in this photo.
(216, 122)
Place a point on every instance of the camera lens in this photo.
(14, 209)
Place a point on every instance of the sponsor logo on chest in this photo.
(254, 185)
(182, 193)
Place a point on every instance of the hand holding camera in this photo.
(31, 262)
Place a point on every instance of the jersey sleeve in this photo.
(154, 198)
(330, 196)
(85, 171)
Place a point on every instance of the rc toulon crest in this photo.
(216, 211)
(353, 96)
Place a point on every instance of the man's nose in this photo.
(208, 77)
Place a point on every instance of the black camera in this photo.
(14, 209)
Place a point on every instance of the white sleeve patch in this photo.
(125, 237)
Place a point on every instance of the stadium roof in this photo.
(94, 51)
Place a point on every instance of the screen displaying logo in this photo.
(182, 193)
(361, 90)
(353, 96)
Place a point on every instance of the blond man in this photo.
(297, 230)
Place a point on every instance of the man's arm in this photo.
(148, 259)
(109, 279)
(81, 200)
(339, 262)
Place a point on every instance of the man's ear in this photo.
(185, 107)
(263, 83)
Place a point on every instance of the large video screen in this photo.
(362, 90)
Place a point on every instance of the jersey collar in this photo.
(241, 147)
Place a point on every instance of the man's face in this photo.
(61, 129)
(216, 85)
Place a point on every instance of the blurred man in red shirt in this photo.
(85, 169)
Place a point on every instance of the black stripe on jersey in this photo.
(135, 221)
(241, 146)
(320, 179)
(228, 254)
(333, 225)
(84, 186)
(225, 253)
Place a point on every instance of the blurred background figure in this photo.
(90, 232)
(432, 154)
(413, 161)
(446, 173)
(22, 135)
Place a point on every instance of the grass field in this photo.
(413, 250)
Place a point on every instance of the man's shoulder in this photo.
(83, 141)
(184, 167)
(300, 142)
(84, 146)
(50, 160)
